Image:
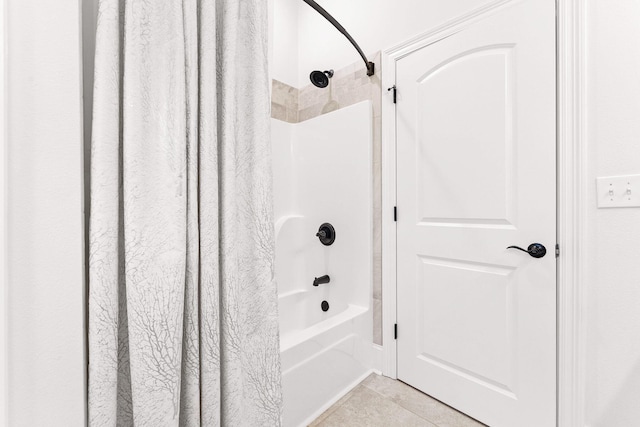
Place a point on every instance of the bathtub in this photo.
(323, 358)
(322, 173)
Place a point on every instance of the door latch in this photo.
(536, 250)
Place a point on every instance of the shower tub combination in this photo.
(322, 171)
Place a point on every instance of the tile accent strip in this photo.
(284, 102)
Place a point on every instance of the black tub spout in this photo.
(321, 280)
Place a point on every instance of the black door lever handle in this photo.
(536, 250)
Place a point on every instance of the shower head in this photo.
(321, 78)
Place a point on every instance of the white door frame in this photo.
(571, 191)
(4, 282)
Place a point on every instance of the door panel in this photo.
(476, 173)
(478, 144)
(475, 308)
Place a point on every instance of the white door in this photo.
(476, 172)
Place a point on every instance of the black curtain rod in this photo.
(370, 65)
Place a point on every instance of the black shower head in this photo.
(321, 78)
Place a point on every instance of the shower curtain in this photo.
(183, 326)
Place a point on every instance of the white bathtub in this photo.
(323, 357)
(302, 318)
(322, 173)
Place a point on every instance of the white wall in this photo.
(45, 219)
(614, 234)
(375, 25)
(284, 36)
(3, 227)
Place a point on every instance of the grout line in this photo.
(333, 408)
(399, 404)
(330, 411)
(442, 405)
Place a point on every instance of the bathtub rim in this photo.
(300, 336)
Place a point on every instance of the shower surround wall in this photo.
(349, 85)
(322, 173)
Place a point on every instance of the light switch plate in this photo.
(619, 191)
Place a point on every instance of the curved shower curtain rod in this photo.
(370, 65)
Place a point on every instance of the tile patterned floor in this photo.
(381, 401)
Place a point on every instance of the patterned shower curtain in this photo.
(183, 327)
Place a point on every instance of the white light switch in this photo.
(619, 191)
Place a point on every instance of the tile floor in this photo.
(381, 401)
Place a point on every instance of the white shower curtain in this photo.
(183, 326)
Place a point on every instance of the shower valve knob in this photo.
(326, 234)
